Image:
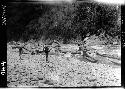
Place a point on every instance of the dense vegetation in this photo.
(67, 21)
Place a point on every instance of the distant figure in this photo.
(21, 51)
(68, 55)
(80, 49)
(46, 50)
(32, 53)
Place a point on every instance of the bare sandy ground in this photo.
(33, 70)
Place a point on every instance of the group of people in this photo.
(46, 50)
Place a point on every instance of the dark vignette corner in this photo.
(3, 47)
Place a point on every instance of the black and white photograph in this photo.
(63, 43)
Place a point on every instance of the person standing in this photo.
(46, 50)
